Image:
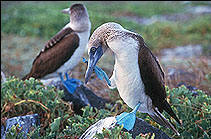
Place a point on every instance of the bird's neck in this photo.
(124, 49)
(126, 54)
(125, 63)
(80, 26)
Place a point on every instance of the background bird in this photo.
(64, 50)
(137, 73)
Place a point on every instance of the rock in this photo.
(26, 122)
(187, 51)
(82, 97)
(179, 77)
(143, 127)
(180, 55)
(200, 9)
(94, 100)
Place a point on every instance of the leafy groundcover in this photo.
(58, 120)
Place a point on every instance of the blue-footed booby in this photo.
(137, 74)
(64, 50)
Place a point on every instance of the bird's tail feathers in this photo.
(160, 119)
(168, 109)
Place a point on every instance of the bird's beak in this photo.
(93, 59)
(66, 11)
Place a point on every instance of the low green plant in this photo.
(14, 132)
(59, 121)
(193, 111)
(31, 96)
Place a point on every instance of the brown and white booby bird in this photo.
(137, 73)
(64, 50)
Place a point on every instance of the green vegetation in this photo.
(166, 34)
(58, 120)
(193, 111)
(31, 96)
(205, 3)
(44, 19)
(26, 26)
(33, 18)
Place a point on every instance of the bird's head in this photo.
(79, 17)
(95, 51)
(98, 44)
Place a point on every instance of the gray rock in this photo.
(200, 9)
(143, 127)
(82, 97)
(26, 122)
(183, 51)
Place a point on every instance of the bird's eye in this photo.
(93, 49)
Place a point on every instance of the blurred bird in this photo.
(64, 50)
(125, 119)
(137, 73)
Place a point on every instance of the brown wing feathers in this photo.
(54, 40)
(153, 79)
(60, 35)
(49, 60)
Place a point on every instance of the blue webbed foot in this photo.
(128, 119)
(73, 80)
(100, 73)
(70, 83)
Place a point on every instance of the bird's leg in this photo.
(67, 76)
(128, 119)
(136, 107)
(61, 77)
(68, 84)
(72, 80)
